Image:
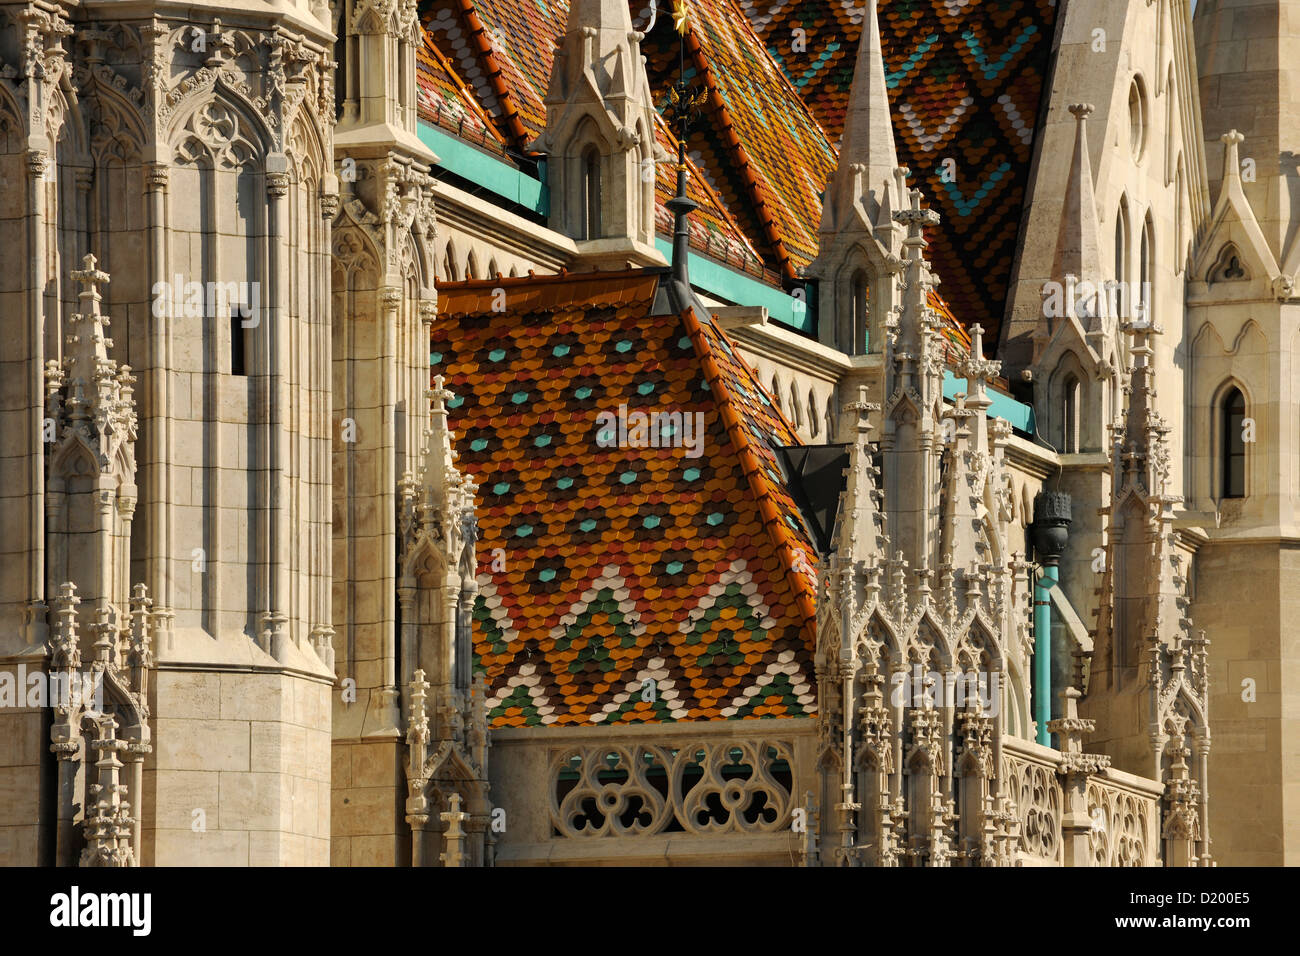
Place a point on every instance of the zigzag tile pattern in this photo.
(605, 568)
(965, 78)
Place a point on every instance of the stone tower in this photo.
(1243, 450)
(187, 148)
(1115, 199)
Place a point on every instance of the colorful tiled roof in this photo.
(761, 148)
(498, 46)
(965, 78)
(505, 49)
(603, 568)
(713, 229)
(447, 102)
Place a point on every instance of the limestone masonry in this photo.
(644, 432)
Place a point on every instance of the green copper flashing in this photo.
(732, 286)
(1020, 416)
(486, 170)
(1042, 682)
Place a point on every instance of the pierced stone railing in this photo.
(700, 786)
(690, 792)
(1125, 813)
(1029, 780)
(1123, 825)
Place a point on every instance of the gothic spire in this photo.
(1077, 248)
(868, 157)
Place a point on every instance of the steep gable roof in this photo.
(760, 146)
(759, 161)
(505, 50)
(604, 566)
(965, 81)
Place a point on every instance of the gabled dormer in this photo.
(1234, 262)
(599, 138)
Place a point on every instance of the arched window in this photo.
(1071, 392)
(813, 425)
(449, 262)
(1137, 117)
(1145, 268)
(859, 292)
(1121, 258)
(1232, 415)
(591, 228)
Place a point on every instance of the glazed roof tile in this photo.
(621, 564)
(965, 79)
(446, 101)
(505, 50)
(760, 146)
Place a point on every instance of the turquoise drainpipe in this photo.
(1043, 651)
(1050, 531)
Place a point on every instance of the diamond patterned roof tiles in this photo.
(965, 79)
(620, 564)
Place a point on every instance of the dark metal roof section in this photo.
(816, 476)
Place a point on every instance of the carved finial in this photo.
(1231, 165)
(455, 836)
(91, 279)
(864, 409)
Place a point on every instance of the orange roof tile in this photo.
(632, 562)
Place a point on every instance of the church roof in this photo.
(964, 78)
(446, 101)
(505, 50)
(621, 564)
(758, 144)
